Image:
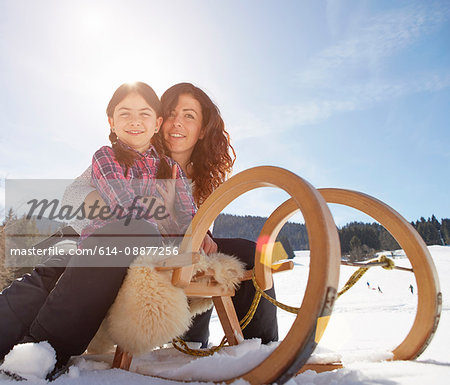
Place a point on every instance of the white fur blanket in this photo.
(149, 311)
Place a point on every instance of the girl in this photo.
(127, 171)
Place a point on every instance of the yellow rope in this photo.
(273, 301)
(355, 277)
(184, 348)
(390, 262)
(251, 312)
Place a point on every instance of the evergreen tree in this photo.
(435, 222)
(387, 241)
(10, 217)
(429, 232)
(355, 242)
(445, 230)
(367, 234)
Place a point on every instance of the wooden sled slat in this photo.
(228, 318)
(320, 368)
(199, 289)
(122, 360)
(275, 268)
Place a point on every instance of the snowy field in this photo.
(367, 323)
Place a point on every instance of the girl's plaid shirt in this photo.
(120, 192)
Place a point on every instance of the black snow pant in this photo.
(22, 300)
(67, 312)
(66, 305)
(264, 323)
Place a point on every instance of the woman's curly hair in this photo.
(213, 156)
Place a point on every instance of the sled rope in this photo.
(355, 277)
(251, 312)
(383, 261)
(183, 347)
(180, 345)
(273, 301)
(386, 263)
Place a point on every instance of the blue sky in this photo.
(350, 94)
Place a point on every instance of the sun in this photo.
(113, 48)
(93, 22)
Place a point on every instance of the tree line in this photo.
(432, 231)
(353, 236)
(249, 227)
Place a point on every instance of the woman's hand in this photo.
(168, 193)
(208, 245)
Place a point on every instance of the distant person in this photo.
(379, 289)
(411, 288)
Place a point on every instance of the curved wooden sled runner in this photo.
(312, 318)
(429, 295)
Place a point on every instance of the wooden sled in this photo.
(306, 331)
(289, 358)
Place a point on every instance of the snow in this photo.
(30, 360)
(366, 325)
(235, 359)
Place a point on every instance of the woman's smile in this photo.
(183, 128)
(176, 136)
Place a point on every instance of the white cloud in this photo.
(359, 96)
(354, 73)
(374, 40)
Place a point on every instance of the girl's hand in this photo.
(208, 245)
(168, 193)
(93, 199)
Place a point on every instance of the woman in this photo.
(195, 137)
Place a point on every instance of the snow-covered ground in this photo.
(367, 323)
